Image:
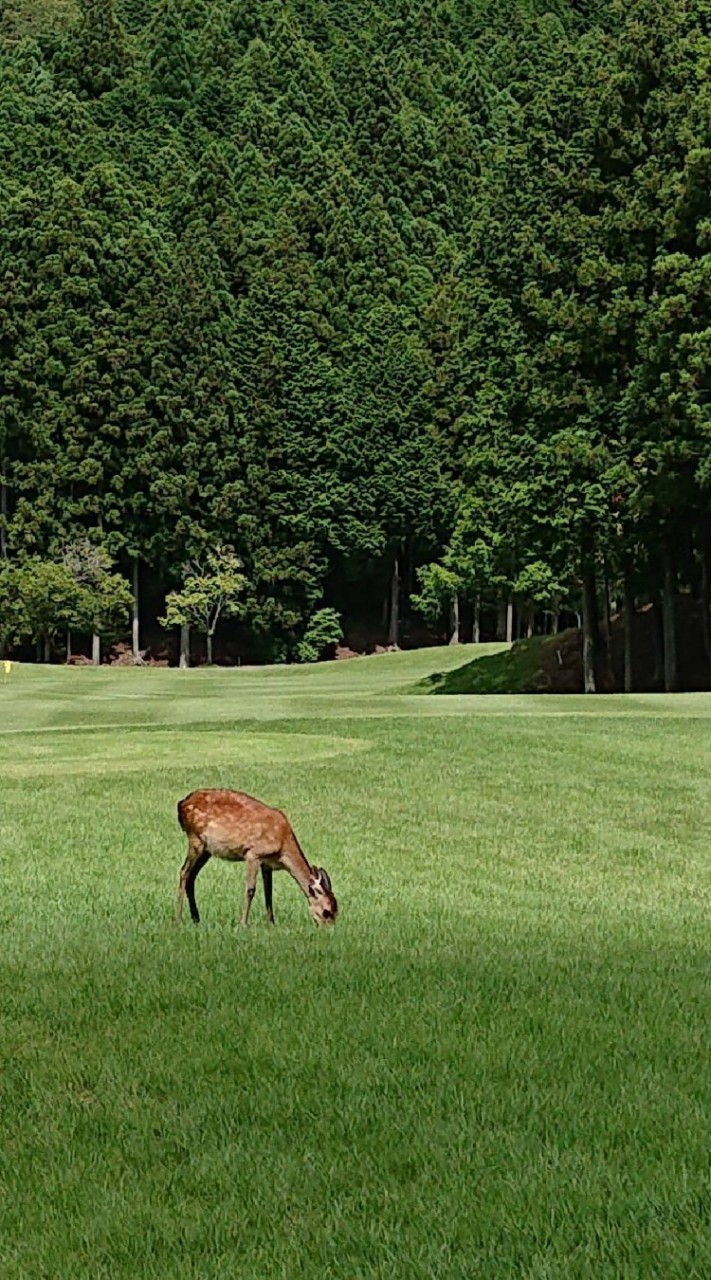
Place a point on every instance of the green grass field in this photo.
(496, 1065)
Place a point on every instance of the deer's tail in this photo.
(182, 806)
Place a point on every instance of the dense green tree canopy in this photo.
(362, 292)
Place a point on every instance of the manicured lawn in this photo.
(496, 1065)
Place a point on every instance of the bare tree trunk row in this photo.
(590, 629)
(3, 521)
(669, 621)
(705, 602)
(394, 626)
(135, 618)
(629, 616)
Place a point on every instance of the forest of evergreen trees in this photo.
(381, 311)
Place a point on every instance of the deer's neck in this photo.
(297, 864)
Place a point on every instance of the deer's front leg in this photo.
(251, 888)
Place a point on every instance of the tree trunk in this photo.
(135, 618)
(476, 636)
(3, 519)
(629, 615)
(96, 649)
(411, 576)
(555, 622)
(46, 655)
(184, 662)
(454, 621)
(394, 628)
(705, 602)
(589, 629)
(530, 616)
(509, 621)
(501, 620)
(209, 648)
(607, 634)
(69, 646)
(658, 633)
(668, 622)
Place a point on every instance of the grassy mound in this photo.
(543, 664)
(554, 664)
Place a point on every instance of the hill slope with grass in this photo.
(541, 664)
(554, 664)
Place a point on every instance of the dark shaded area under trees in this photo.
(405, 306)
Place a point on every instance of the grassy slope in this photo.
(495, 1066)
(504, 669)
(540, 664)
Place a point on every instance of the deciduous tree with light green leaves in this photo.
(50, 600)
(105, 598)
(213, 588)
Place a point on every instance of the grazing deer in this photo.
(234, 826)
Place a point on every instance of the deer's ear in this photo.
(325, 879)
(312, 891)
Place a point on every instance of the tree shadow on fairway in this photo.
(540, 664)
(514, 670)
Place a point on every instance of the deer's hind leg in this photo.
(267, 876)
(195, 860)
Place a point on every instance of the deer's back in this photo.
(231, 824)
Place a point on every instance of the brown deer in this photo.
(231, 825)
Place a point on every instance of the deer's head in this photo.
(322, 901)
